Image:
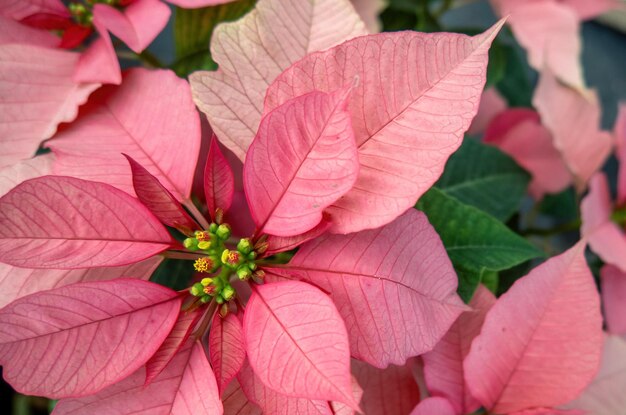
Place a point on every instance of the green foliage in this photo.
(515, 86)
(193, 29)
(174, 273)
(476, 242)
(482, 176)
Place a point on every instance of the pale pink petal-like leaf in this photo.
(614, 299)
(177, 338)
(394, 287)
(586, 9)
(573, 119)
(37, 93)
(275, 403)
(369, 10)
(386, 391)
(620, 153)
(443, 366)
(150, 117)
(605, 237)
(340, 408)
(550, 33)
(278, 244)
(186, 387)
(297, 343)
(138, 24)
(548, 411)
(14, 32)
(254, 50)
(227, 352)
(99, 62)
(19, 9)
(303, 159)
(435, 405)
(235, 401)
(78, 339)
(219, 180)
(605, 395)
(63, 222)
(541, 342)
(194, 4)
(491, 105)
(17, 282)
(519, 133)
(15, 174)
(159, 200)
(416, 96)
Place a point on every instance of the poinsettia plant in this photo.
(303, 226)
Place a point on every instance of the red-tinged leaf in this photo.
(227, 351)
(548, 411)
(18, 282)
(302, 160)
(48, 21)
(236, 403)
(541, 342)
(443, 366)
(340, 408)
(14, 32)
(74, 36)
(605, 237)
(181, 331)
(605, 395)
(620, 152)
(297, 343)
(275, 403)
(491, 105)
(416, 96)
(63, 222)
(219, 181)
(519, 133)
(19, 9)
(389, 285)
(78, 339)
(253, 51)
(159, 200)
(574, 121)
(99, 62)
(37, 93)
(15, 174)
(151, 118)
(435, 405)
(137, 25)
(386, 391)
(278, 244)
(186, 387)
(613, 299)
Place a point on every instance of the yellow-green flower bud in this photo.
(196, 289)
(228, 292)
(191, 244)
(223, 231)
(244, 246)
(204, 245)
(244, 273)
(219, 299)
(206, 281)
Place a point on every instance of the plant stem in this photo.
(197, 215)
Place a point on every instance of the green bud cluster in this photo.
(213, 288)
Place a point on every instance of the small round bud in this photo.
(244, 246)
(231, 258)
(224, 310)
(206, 281)
(213, 227)
(223, 231)
(204, 245)
(202, 235)
(204, 264)
(244, 273)
(196, 289)
(191, 244)
(205, 299)
(228, 292)
(219, 299)
(252, 255)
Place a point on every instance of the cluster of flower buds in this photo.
(213, 288)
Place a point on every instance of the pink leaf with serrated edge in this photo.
(491, 105)
(99, 62)
(443, 366)
(226, 348)
(541, 342)
(19, 9)
(14, 32)
(151, 118)
(186, 387)
(573, 119)
(14, 174)
(302, 160)
(177, 338)
(236, 403)
(386, 391)
(275, 403)
(17, 282)
(416, 96)
(435, 405)
(620, 153)
(219, 180)
(297, 343)
(519, 133)
(137, 25)
(63, 222)
(37, 93)
(278, 244)
(78, 339)
(605, 237)
(254, 50)
(614, 299)
(159, 200)
(394, 286)
(605, 395)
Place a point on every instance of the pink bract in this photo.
(613, 294)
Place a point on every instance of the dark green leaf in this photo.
(484, 177)
(562, 206)
(174, 273)
(515, 84)
(469, 280)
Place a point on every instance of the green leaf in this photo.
(484, 177)
(174, 273)
(473, 239)
(192, 33)
(515, 84)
